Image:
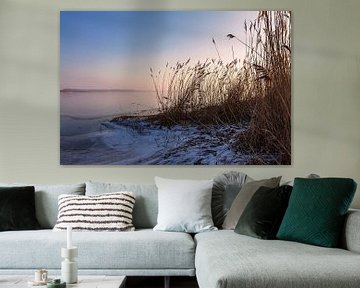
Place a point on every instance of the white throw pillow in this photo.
(184, 205)
(105, 212)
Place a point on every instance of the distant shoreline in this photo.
(103, 90)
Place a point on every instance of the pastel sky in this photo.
(115, 49)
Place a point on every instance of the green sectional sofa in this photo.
(219, 259)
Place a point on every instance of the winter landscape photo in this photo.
(175, 88)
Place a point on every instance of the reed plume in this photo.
(256, 91)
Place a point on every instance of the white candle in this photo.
(69, 239)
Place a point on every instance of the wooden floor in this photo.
(158, 282)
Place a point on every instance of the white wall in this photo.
(326, 91)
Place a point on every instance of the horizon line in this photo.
(104, 90)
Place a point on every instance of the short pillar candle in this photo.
(69, 270)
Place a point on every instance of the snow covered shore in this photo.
(136, 140)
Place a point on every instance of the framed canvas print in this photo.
(175, 87)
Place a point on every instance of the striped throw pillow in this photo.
(105, 212)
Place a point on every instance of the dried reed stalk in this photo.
(256, 91)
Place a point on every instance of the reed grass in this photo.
(256, 91)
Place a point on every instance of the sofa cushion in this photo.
(105, 212)
(184, 205)
(310, 176)
(225, 259)
(350, 239)
(317, 209)
(46, 200)
(146, 205)
(143, 249)
(17, 208)
(226, 187)
(243, 198)
(263, 215)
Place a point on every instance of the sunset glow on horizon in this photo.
(115, 49)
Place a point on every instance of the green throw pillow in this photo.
(316, 211)
(263, 215)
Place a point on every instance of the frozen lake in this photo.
(89, 137)
(99, 104)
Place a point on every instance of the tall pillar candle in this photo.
(69, 265)
(69, 237)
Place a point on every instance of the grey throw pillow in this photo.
(226, 187)
(242, 199)
(184, 205)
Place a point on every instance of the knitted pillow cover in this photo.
(316, 211)
(105, 212)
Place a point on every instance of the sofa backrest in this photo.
(46, 200)
(146, 203)
(351, 237)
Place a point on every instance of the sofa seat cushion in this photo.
(142, 249)
(226, 259)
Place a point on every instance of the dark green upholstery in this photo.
(316, 211)
(17, 208)
(263, 215)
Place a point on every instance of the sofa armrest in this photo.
(351, 234)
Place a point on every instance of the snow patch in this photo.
(138, 141)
